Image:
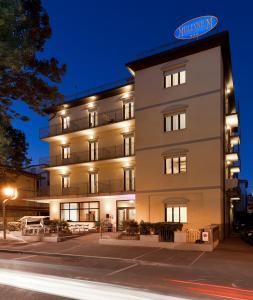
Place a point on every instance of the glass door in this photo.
(125, 211)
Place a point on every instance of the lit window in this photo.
(182, 76)
(128, 110)
(65, 182)
(93, 118)
(93, 150)
(175, 165)
(89, 211)
(129, 180)
(174, 79)
(129, 145)
(93, 183)
(80, 212)
(176, 214)
(65, 122)
(66, 152)
(175, 122)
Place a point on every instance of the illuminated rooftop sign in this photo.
(196, 27)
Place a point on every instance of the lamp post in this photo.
(9, 193)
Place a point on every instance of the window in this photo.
(93, 118)
(128, 110)
(128, 145)
(65, 122)
(129, 180)
(66, 152)
(93, 183)
(89, 212)
(176, 214)
(80, 212)
(174, 79)
(65, 182)
(175, 165)
(175, 122)
(93, 150)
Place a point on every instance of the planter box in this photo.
(180, 237)
(154, 238)
(31, 238)
(51, 239)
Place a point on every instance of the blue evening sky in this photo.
(96, 38)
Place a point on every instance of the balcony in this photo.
(232, 120)
(83, 124)
(106, 187)
(84, 157)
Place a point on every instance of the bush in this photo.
(131, 227)
(57, 225)
(14, 226)
(11, 226)
(147, 228)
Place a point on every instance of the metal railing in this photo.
(83, 189)
(111, 152)
(104, 118)
(100, 88)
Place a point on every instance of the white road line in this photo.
(147, 253)
(196, 259)
(24, 257)
(121, 270)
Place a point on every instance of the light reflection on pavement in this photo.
(74, 288)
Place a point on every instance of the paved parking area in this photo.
(158, 269)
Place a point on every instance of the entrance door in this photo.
(125, 212)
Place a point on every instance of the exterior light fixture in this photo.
(10, 193)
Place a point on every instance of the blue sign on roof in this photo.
(196, 27)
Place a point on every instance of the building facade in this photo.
(26, 184)
(162, 147)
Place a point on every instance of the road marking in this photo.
(196, 259)
(121, 270)
(24, 257)
(147, 253)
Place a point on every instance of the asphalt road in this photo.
(226, 273)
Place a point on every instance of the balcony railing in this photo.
(83, 157)
(82, 124)
(82, 189)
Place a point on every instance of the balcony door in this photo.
(125, 211)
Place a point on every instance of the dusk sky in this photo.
(96, 38)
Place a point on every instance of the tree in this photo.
(13, 148)
(24, 29)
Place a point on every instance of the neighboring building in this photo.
(242, 203)
(26, 184)
(42, 176)
(161, 147)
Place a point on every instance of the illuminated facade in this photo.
(161, 147)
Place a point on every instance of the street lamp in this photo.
(10, 193)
